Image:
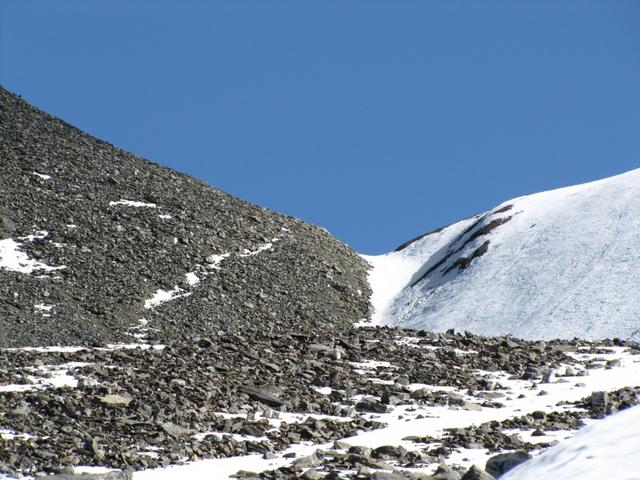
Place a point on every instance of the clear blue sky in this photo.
(378, 120)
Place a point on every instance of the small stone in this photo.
(115, 400)
(306, 462)
(97, 450)
(21, 409)
(443, 472)
(392, 400)
(390, 451)
(472, 406)
(311, 474)
(371, 406)
(340, 445)
(251, 431)
(261, 395)
(476, 473)
(613, 363)
(175, 430)
(179, 382)
(205, 343)
(359, 450)
(381, 475)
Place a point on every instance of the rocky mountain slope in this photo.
(97, 245)
(557, 264)
(153, 327)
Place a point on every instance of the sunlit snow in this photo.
(192, 279)
(609, 448)
(564, 264)
(261, 248)
(163, 296)
(132, 203)
(42, 176)
(12, 258)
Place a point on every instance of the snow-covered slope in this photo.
(608, 449)
(562, 263)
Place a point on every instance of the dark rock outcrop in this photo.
(500, 464)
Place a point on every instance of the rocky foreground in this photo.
(277, 396)
(199, 336)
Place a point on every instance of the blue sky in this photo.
(378, 120)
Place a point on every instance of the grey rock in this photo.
(116, 475)
(360, 450)
(261, 395)
(390, 451)
(472, 406)
(500, 464)
(381, 475)
(476, 473)
(371, 406)
(312, 474)
(115, 400)
(174, 430)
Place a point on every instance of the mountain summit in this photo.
(558, 264)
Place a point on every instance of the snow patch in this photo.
(192, 279)
(132, 203)
(43, 307)
(260, 249)
(11, 434)
(56, 377)
(164, 296)
(42, 176)
(13, 259)
(323, 390)
(214, 261)
(39, 235)
(73, 349)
